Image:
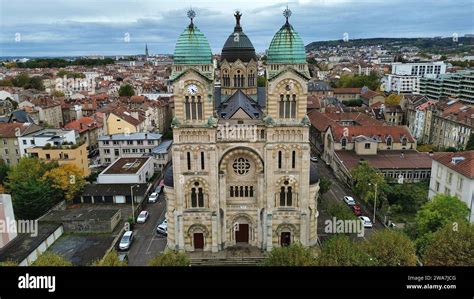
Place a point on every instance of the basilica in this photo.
(241, 171)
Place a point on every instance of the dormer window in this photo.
(389, 141)
(404, 141)
(344, 142)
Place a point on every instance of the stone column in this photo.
(180, 232)
(304, 226)
(214, 233)
(222, 205)
(269, 232)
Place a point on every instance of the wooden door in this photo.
(198, 241)
(242, 235)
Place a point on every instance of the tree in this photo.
(49, 258)
(31, 195)
(440, 211)
(324, 185)
(341, 251)
(451, 246)
(425, 148)
(339, 210)
(21, 80)
(293, 255)
(392, 100)
(4, 168)
(470, 143)
(58, 93)
(111, 259)
(410, 197)
(8, 264)
(363, 174)
(261, 81)
(67, 178)
(171, 258)
(126, 91)
(389, 247)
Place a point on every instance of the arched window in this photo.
(202, 160)
(289, 197)
(287, 106)
(193, 198)
(188, 157)
(281, 107)
(279, 159)
(389, 141)
(282, 196)
(231, 191)
(197, 196)
(404, 141)
(251, 191)
(200, 198)
(293, 159)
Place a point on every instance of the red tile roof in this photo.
(465, 167)
(83, 124)
(344, 90)
(411, 159)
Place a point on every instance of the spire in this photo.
(237, 16)
(146, 50)
(287, 15)
(191, 16)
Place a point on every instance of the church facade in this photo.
(241, 170)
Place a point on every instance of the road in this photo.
(148, 244)
(336, 193)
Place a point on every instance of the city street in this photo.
(336, 193)
(148, 243)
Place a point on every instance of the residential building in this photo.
(453, 174)
(458, 85)
(405, 77)
(452, 123)
(45, 111)
(347, 94)
(120, 121)
(63, 154)
(7, 218)
(392, 115)
(344, 139)
(417, 106)
(112, 147)
(10, 151)
(128, 171)
(47, 137)
(89, 130)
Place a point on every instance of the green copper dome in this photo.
(192, 47)
(286, 47)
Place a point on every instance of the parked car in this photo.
(356, 210)
(162, 228)
(314, 159)
(153, 197)
(126, 240)
(142, 217)
(349, 200)
(366, 221)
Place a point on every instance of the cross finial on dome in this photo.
(287, 14)
(191, 15)
(237, 15)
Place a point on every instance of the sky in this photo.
(123, 27)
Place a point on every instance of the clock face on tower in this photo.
(192, 89)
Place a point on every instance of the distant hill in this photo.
(432, 45)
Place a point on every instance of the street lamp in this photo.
(133, 205)
(375, 200)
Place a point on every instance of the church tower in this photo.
(238, 62)
(241, 173)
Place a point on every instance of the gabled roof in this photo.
(239, 100)
(9, 130)
(463, 166)
(284, 70)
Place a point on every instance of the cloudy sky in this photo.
(120, 27)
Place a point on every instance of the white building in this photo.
(112, 147)
(453, 174)
(54, 137)
(7, 219)
(128, 171)
(405, 77)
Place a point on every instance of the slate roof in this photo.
(240, 100)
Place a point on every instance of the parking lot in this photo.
(148, 243)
